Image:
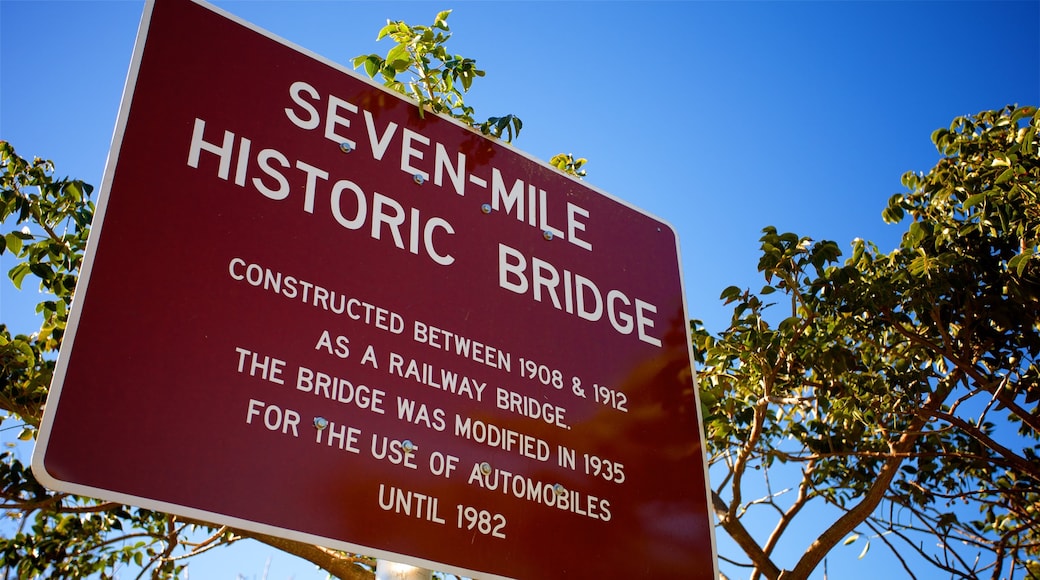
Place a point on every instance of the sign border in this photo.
(50, 409)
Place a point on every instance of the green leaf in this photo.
(865, 550)
(14, 242)
(1028, 141)
(1006, 175)
(18, 273)
(1018, 263)
(974, 200)
(789, 323)
(372, 66)
(850, 539)
(360, 60)
(892, 214)
(918, 232)
(43, 270)
(730, 294)
(73, 190)
(396, 54)
(441, 21)
(910, 180)
(390, 27)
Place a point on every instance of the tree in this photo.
(435, 73)
(435, 76)
(899, 389)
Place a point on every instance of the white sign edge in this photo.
(72, 325)
(39, 453)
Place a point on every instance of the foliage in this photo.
(566, 163)
(439, 79)
(55, 534)
(899, 389)
(30, 194)
(436, 74)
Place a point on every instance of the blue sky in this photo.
(719, 117)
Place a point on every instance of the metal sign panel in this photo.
(308, 310)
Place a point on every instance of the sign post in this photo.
(309, 311)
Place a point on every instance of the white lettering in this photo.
(295, 93)
(223, 151)
(332, 119)
(544, 276)
(408, 151)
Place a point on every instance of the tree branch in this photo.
(742, 537)
(889, 469)
(339, 565)
(1011, 458)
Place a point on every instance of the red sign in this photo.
(310, 311)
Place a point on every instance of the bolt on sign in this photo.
(310, 311)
